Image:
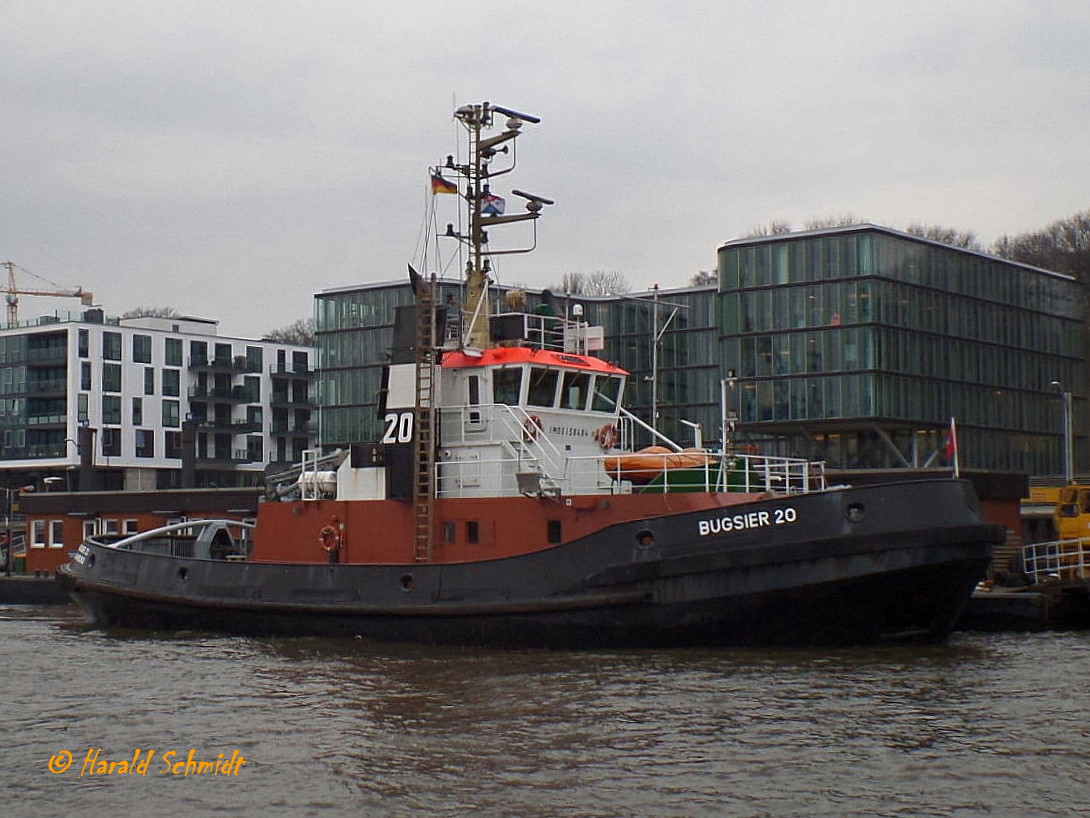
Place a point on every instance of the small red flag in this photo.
(952, 442)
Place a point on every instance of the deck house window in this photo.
(56, 533)
(607, 391)
(542, 390)
(573, 395)
(37, 534)
(507, 386)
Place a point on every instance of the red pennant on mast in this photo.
(952, 446)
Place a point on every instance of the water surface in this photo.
(986, 725)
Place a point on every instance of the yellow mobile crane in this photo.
(13, 293)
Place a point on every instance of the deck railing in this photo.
(1060, 559)
(639, 473)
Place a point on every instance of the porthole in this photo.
(855, 512)
(407, 582)
(183, 574)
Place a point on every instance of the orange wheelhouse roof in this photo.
(510, 356)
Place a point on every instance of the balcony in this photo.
(237, 457)
(291, 400)
(235, 394)
(286, 370)
(233, 427)
(236, 365)
(292, 428)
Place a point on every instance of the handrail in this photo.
(655, 432)
(1057, 559)
(717, 473)
(128, 542)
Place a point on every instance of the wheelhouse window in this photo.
(542, 391)
(573, 394)
(507, 386)
(607, 392)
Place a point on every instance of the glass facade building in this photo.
(857, 345)
(853, 345)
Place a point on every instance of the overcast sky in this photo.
(229, 160)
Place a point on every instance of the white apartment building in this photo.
(141, 401)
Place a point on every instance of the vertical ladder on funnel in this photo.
(424, 440)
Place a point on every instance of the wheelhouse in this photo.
(535, 380)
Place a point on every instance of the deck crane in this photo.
(13, 292)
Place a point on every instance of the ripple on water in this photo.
(989, 724)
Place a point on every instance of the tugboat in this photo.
(493, 511)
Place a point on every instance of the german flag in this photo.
(441, 185)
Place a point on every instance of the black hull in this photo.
(829, 575)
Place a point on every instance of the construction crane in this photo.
(13, 292)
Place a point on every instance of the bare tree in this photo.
(704, 278)
(151, 312)
(1063, 247)
(846, 220)
(947, 235)
(300, 333)
(600, 282)
(774, 228)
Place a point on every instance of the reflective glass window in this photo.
(606, 392)
(507, 386)
(542, 389)
(573, 394)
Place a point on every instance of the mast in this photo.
(487, 209)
